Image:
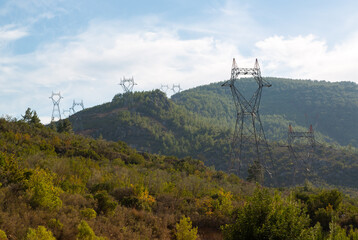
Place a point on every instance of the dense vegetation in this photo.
(331, 107)
(150, 122)
(66, 186)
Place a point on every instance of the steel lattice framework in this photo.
(176, 88)
(300, 158)
(56, 113)
(164, 88)
(127, 84)
(249, 131)
(74, 104)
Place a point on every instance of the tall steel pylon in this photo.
(74, 104)
(164, 88)
(249, 148)
(56, 113)
(301, 160)
(127, 84)
(176, 88)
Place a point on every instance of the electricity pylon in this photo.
(56, 113)
(249, 146)
(127, 84)
(300, 158)
(176, 88)
(74, 104)
(164, 88)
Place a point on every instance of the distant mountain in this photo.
(186, 126)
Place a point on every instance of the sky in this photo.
(83, 48)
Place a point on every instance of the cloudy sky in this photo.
(83, 48)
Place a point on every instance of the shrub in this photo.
(41, 233)
(267, 217)
(88, 213)
(185, 231)
(106, 204)
(85, 232)
(3, 235)
(42, 191)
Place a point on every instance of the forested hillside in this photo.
(332, 108)
(151, 122)
(66, 186)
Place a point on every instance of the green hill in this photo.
(150, 122)
(331, 107)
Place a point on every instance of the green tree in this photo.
(255, 173)
(3, 235)
(35, 119)
(64, 126)
(88, 213)
(31, 117)
(42, 191)
(40, 233)
(105, 203)
(267, 217)
(85, 232)
(185, 231)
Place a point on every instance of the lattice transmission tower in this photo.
(164, 88)
(127, 84)
(56, 113)
(74, 104)
(176, 88)
(249, 148)
(302, 158)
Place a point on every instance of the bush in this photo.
(42, 191)
(267, 217)
(85, 232)
(185, 231)
(3, 235)
(41, 233)
(88, 213)
(106, 204)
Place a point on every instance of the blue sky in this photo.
(84, 48)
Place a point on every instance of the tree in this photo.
(40, 233)
(256, 173)
(185, 231)
(3, 235)
(28, 115)
(267, 217)
(85, 232)
(42, 191)
(64, 126)
(35, 119)
(31, 117)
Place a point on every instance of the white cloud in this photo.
(11, 33)
(308, 57)
(90, 65)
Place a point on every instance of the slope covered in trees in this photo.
(150, 122)
(331, 107)
(66, 186)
